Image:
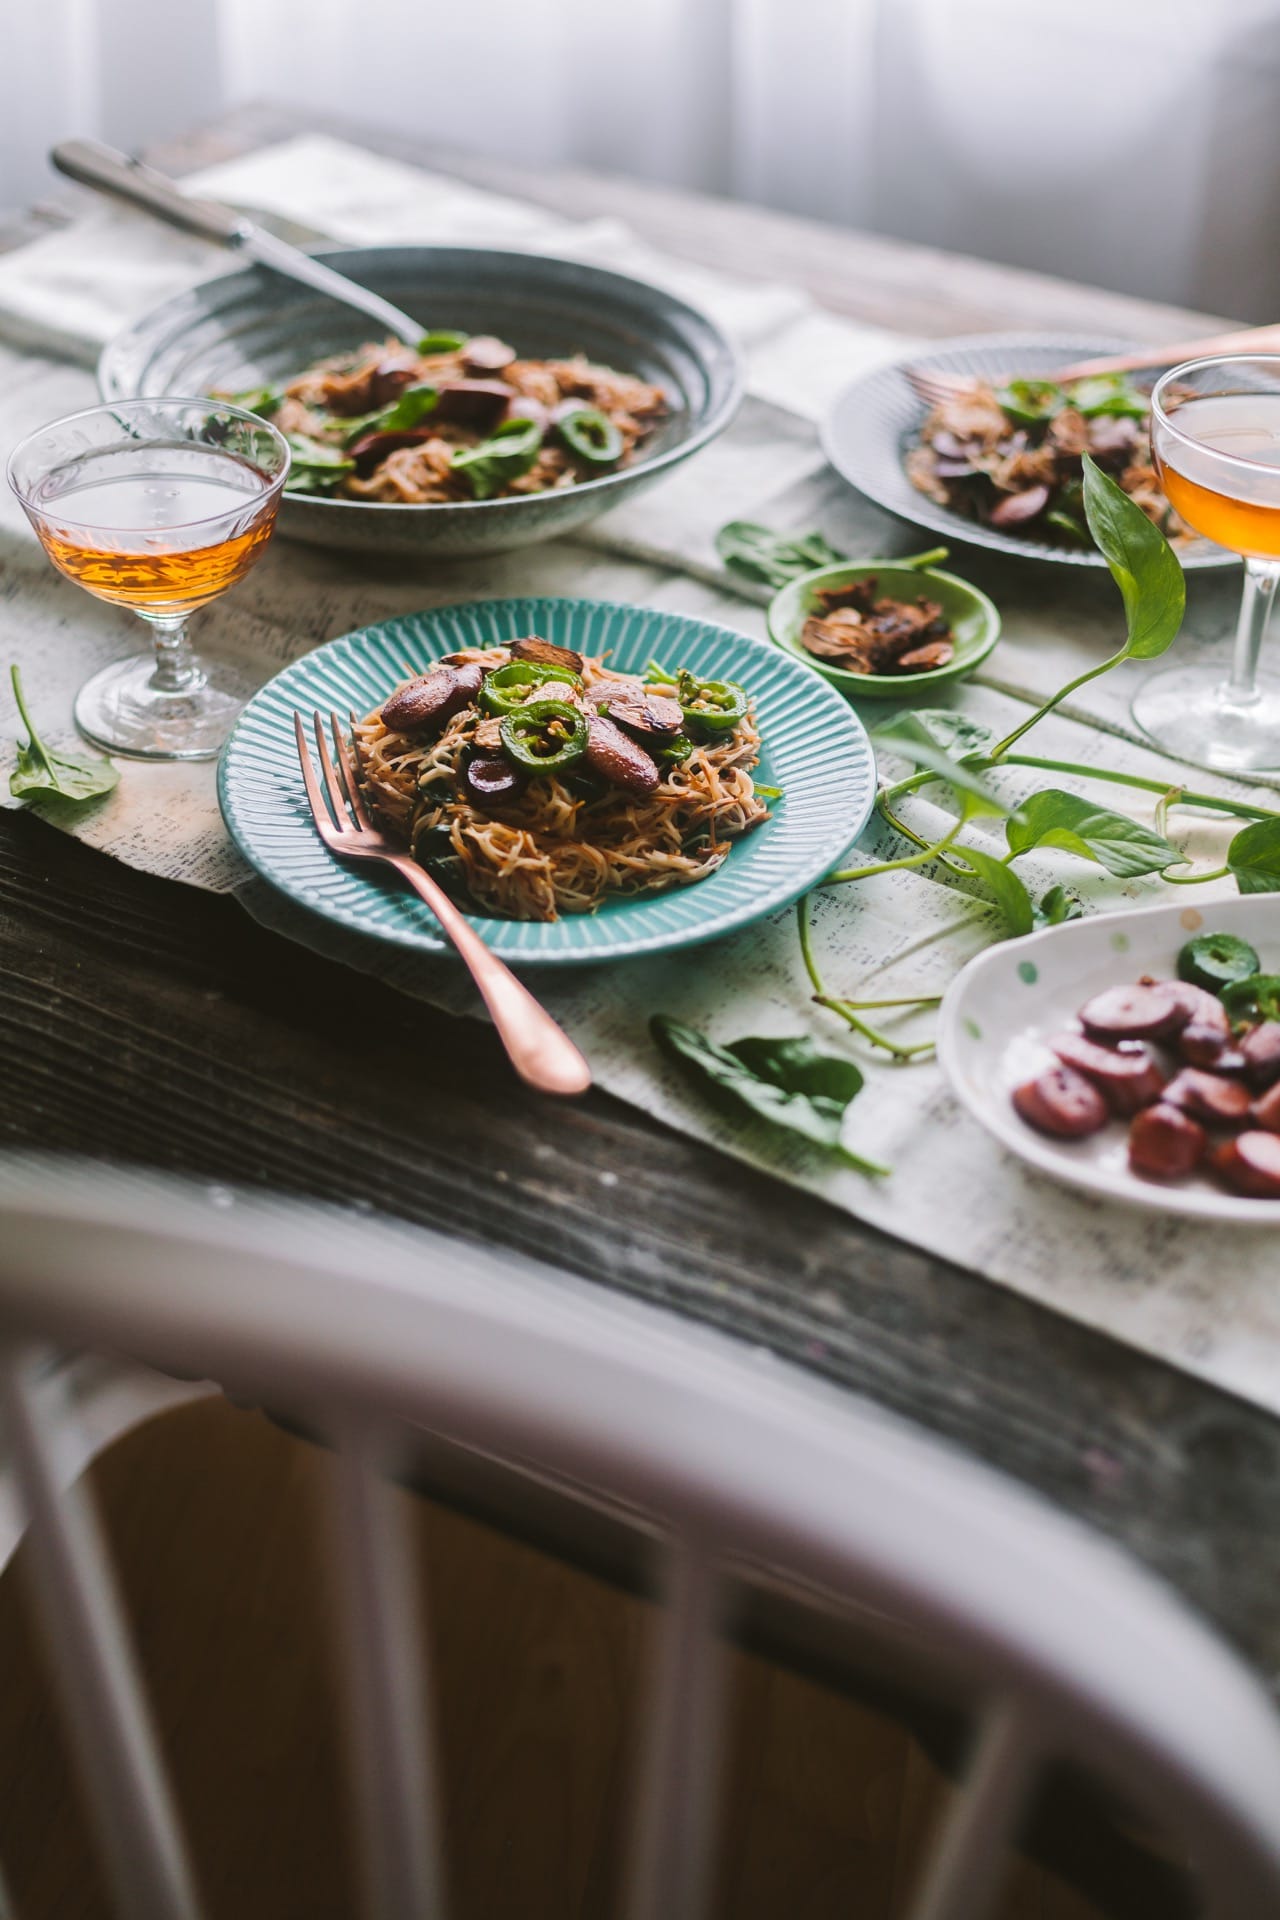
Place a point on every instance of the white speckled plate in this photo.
(1003, 1008)
(815, 749)
(876, 419)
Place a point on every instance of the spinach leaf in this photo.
(1255, 998)
(772, 559)
(412, 407)
(1052, 818)
(786, 1082)
(908, 735)
(42, 771)
(1254, 857)
(1011, 896)
(510, 450)
(1031, 402)
(442, 340)
(1056, 906)
(314, 467)
(1143, 564)
(264, 401)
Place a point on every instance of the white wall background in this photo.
(1133, 143)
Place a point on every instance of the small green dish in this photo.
(974, 621)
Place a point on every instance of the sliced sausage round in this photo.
(1207, 1096)
(1250, 1164)
(1261, 1050)
(472, 403)
(1266, 1109)
(1126, 1075)
(485, 353)
(544, 653)
(424, 704)
(1165, 1143)
(1151, 1010)
(1205, 1014)
(618, 759)
(488, 778)
(650, 716)
(1061, 1102)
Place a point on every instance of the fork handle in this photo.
(540, 1051)
(1240, 340)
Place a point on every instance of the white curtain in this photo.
(1133, 143)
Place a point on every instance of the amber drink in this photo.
(159, 506)
(1215, 437)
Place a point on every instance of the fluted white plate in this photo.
(814, 748)
(876, 421)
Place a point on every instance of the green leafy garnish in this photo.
(1254, 857)
(442, 340)
(1143, 565)
(41, 771)
(413, 405)
(785, 1082)
(771, 559)
(1054, 818)
(315, 468)
(264, 401)
(510, 450)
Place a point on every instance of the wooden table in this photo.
(148, 1022)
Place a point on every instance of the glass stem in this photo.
(1260, 577)
(176, 668)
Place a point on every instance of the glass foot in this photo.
(1189, 712)
(122, 710)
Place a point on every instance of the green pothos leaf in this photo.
(786, 1082)
(1143, 564)
(1254, 857)
(907, 735)
(1054, 818)
(1005, 886)
(1055, 907)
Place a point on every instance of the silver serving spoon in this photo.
(95, 165)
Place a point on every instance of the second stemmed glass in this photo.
(1215, 436)
(159, 506)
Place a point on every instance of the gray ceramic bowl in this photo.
(244, 328)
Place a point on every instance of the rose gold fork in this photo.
(934, 386)
(541, 1053)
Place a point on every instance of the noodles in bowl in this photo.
(534, 781)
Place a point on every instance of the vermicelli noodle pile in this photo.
(566, 840)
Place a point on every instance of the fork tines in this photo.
(345, 810)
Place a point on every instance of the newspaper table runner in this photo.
(1162, 1285)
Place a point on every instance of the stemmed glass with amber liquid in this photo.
(1215, 435)
(159, 506)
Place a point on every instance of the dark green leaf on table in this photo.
(771, 559)
(41, 772)
(1143, 564)
(1053, 818)
(1254, 857)
(1004, 885)
(1055, 907)
(787, 1082)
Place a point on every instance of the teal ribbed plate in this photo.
(814, 748)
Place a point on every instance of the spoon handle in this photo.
(103, 168)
